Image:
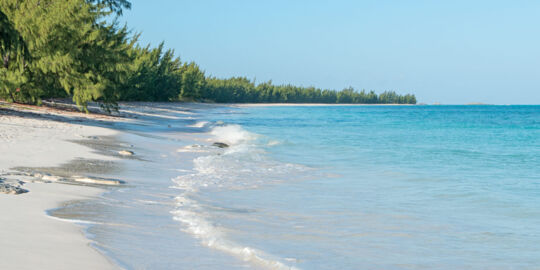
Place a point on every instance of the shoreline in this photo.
(308, 104)
(32, 239)
(185, 197)
(57, 153)
(36, 137)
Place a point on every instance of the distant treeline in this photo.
(241, 90)
(69, 48)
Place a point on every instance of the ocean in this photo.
(325, 187)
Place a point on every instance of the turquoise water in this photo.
(330, 187)
(385, 187)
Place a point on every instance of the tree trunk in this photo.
(6, 60)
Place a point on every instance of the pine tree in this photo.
(193, 82)
(68, 48)
(74, 51)
(15, 58)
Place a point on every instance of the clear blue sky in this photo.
(443, 51)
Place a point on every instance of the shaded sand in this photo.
(32, 139)
(29, 238)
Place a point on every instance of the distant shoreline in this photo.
(307, 104)
(357, 104)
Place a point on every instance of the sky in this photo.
(449, 52)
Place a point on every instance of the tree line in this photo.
(72, 49)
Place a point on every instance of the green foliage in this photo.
(193, 82)
(154, 75)
(53, 48)
(242, 90)
(113, 6)
(14, 57)
(74, 52)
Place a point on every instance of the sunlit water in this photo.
(331, 187)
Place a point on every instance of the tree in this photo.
(15, 57)
(193, 82)
(153, 75)
(74, 51)
(70, 48)
(114, 6)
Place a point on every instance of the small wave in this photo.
(77, 221)
(182, 170)
(149, 202)
(199, 124)
(232, 134)
(273, 142)
(243, 165)
(195, 148)
(80, 221)
(191, 215)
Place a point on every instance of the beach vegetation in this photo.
(76, 49)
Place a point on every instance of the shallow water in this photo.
(337, 187)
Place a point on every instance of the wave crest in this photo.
(232, 134)
(243, 165)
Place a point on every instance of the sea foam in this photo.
(232, 134)
(200, 124)
(243, 165)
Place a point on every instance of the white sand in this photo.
(29, 239)
(36, 142)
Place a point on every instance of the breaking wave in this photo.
(243, 165)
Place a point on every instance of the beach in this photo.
(275, 135)
(30, 238)
(58, 160)
(240, 186)
(55, 158)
